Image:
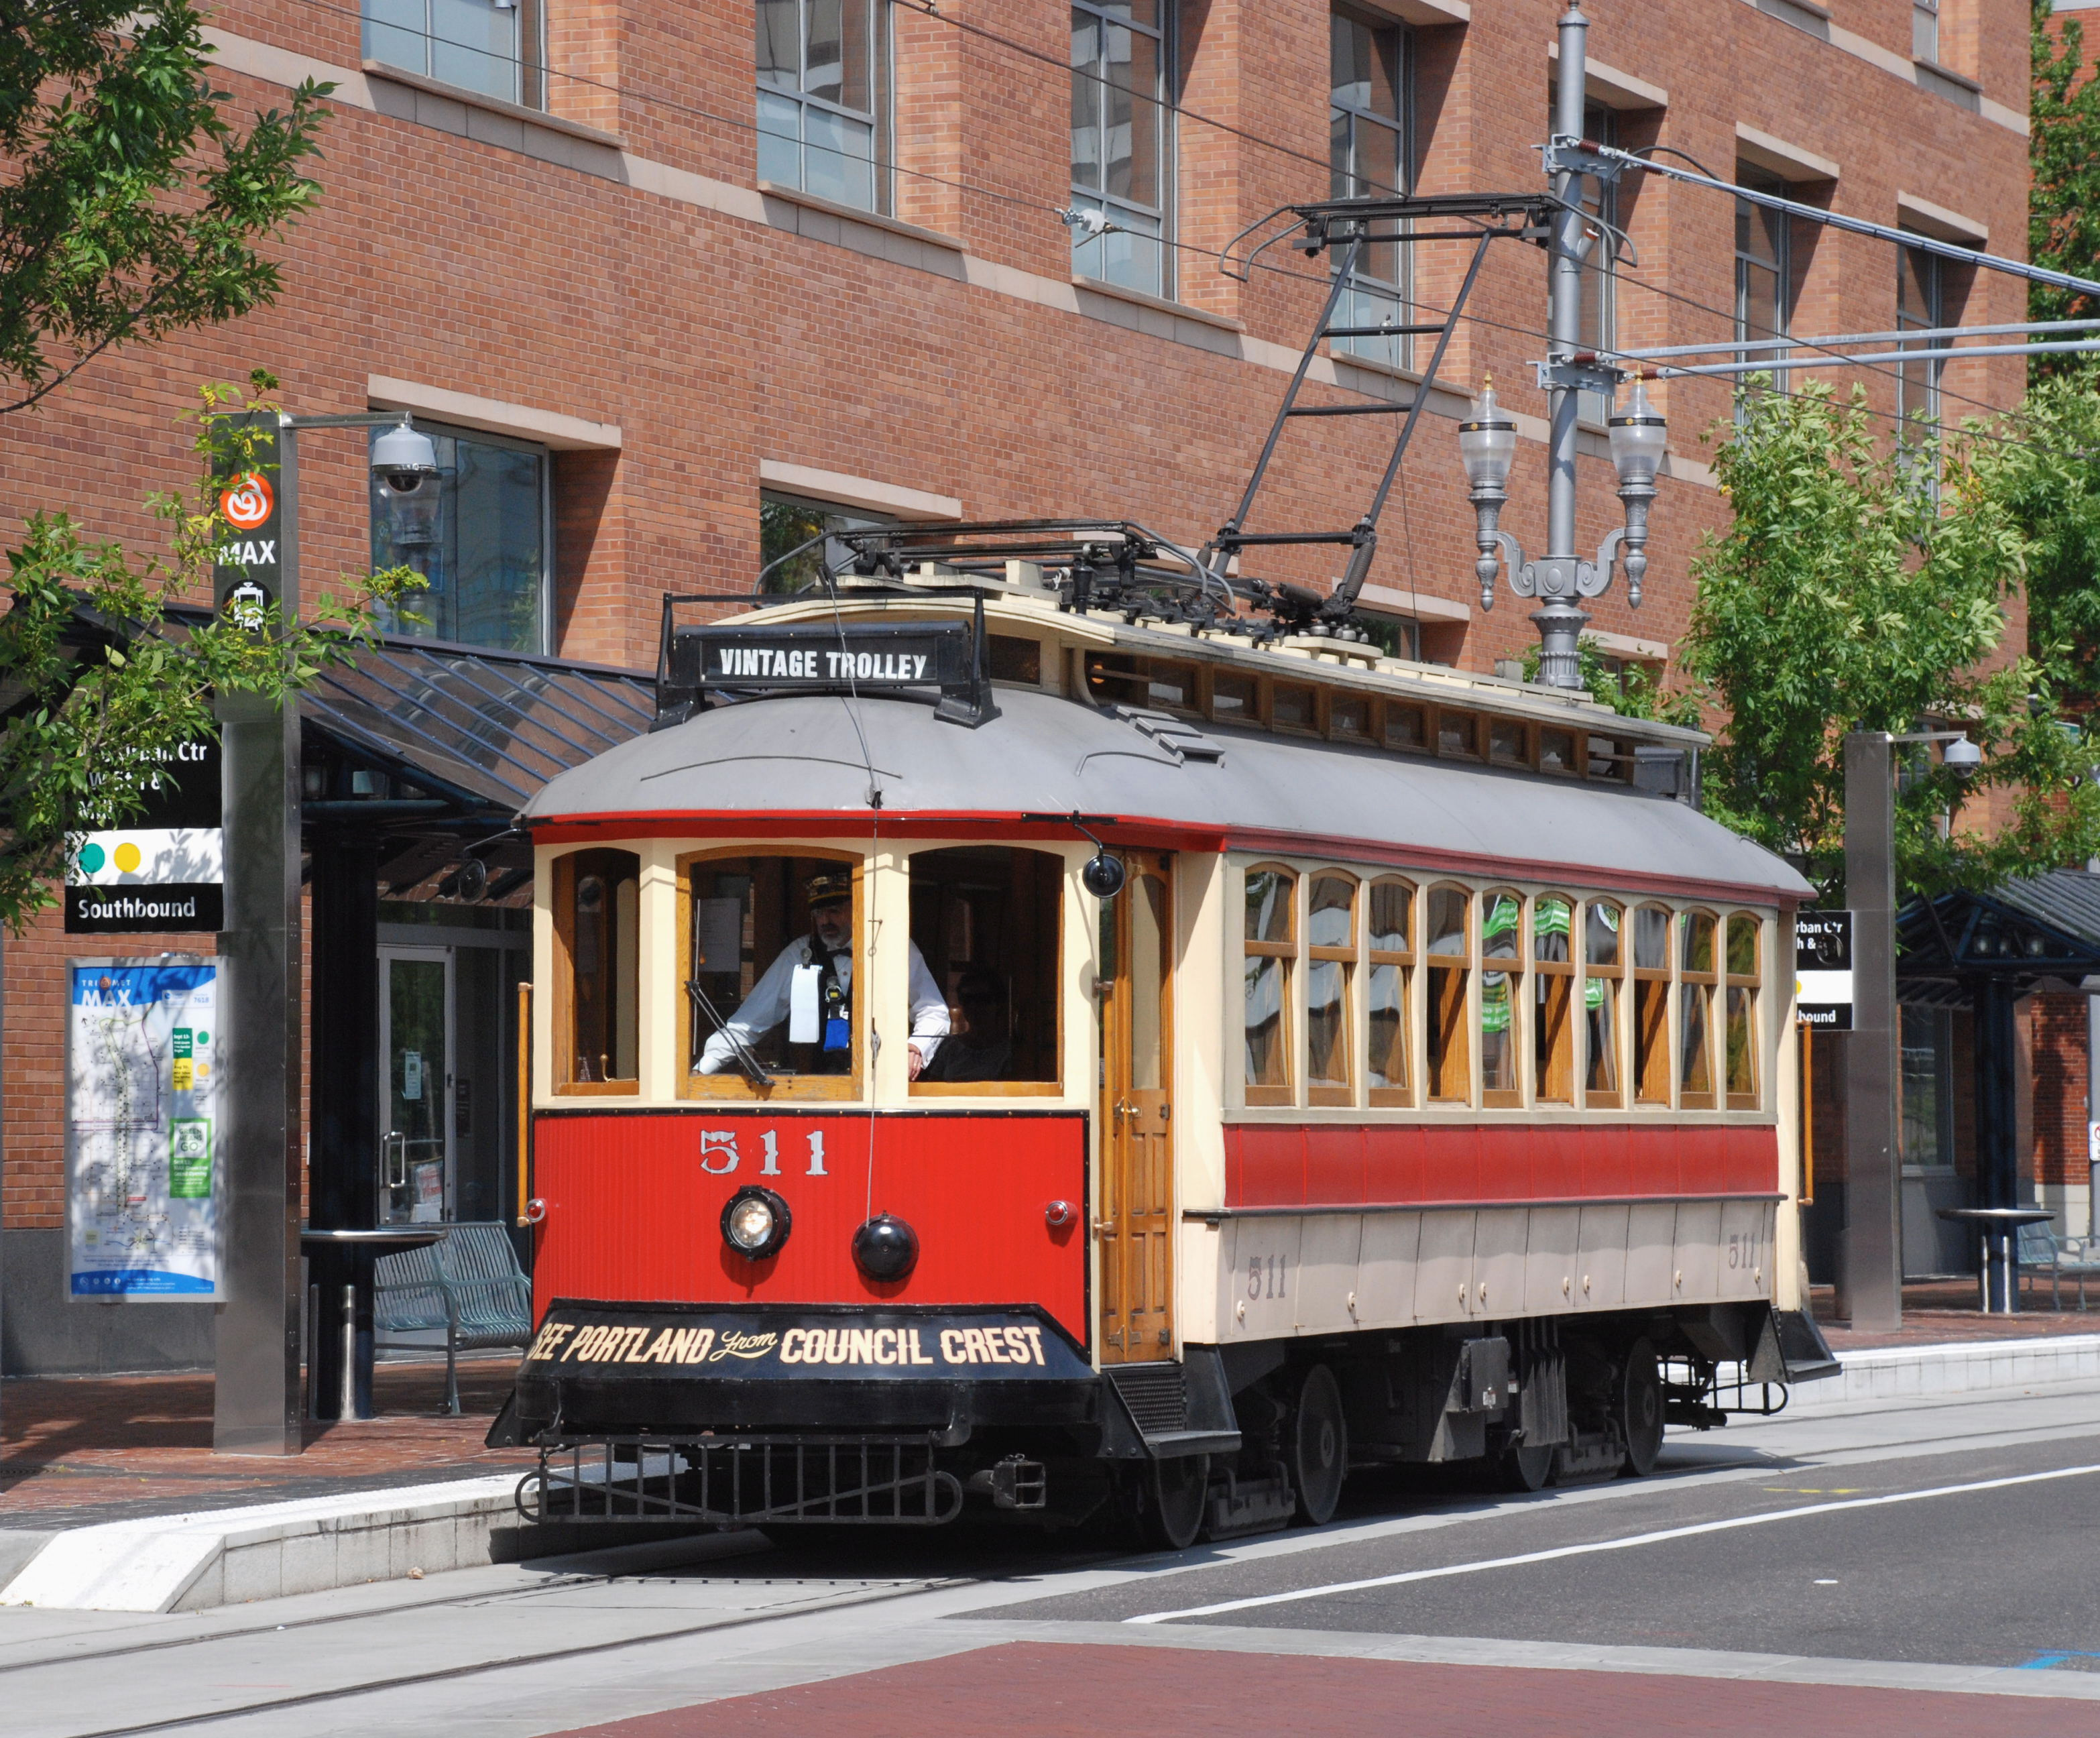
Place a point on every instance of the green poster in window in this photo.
(189, 1157)
(179, 1045)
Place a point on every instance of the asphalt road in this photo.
(1877, 1572)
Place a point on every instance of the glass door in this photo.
(416, 1182)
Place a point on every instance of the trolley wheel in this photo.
(1527, 1466)
(1170, 1502)
(1318, 1447)
(1640, 1410)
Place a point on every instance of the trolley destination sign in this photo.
(909, 656)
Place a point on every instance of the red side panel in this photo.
(1270, 1164)
(634, 1202)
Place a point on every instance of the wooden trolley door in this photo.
(1136, 1223)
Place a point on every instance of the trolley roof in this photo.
(811, 760)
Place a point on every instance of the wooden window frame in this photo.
(1424, 711)
(1317, 727)
(1578, 766)
(1663, 1025)
(1199, 695)
(1437, 747)
(1003, 1088)
(1689, 985)
(1463, 1025)
(564, 1033)
(731, 1087)
(1618, 975)
(1374, 721)
(1345, 955)
(1752, 983)
(1565, 971)
(1404, 958)
(1287, 951)
(1502, 1098)
(1527, 737)
(1256, 719)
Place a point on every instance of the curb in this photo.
(1979, 1366)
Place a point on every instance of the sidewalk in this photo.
(1937, 1312)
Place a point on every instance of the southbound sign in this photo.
(166, 870)
(1823, 969)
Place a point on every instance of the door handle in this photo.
(394, 1151)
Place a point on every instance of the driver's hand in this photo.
(913, 1062)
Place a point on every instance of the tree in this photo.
(1850, 592)
(2063, 150)
(132, 207)
(100, 682)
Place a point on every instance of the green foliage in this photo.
(98, 682)
(2063, 197)
(1848, 594)
(783, 527)
(131, 206)
(1632, 691)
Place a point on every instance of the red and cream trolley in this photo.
(1423, 1091)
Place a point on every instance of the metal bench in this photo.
(469, 1286)
(2074, 1258)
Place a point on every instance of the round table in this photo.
(1999, 1228)
(355, 1398)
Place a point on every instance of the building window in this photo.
(1120, 141)
(1694, 1005)
(1924, 30)
(1763, 272)
(480, 531)
(485, 45)
(786, 524)
(1921, 305)
(1450, 1067)
(823, 78)
(1272, 948)
(1600, 200)
(1331, 950)
(1392, 959)
(1603, 978)
(1553, 995)
(1928, 1088)
(1370, 152)
(597, 933)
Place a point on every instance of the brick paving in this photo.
(1075, 1690)
(1938, 1311)
(77, 1450)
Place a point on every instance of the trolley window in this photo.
(1406, 727)
(1742, 1011)
(1448, 948)
(770, 946)
(1652, 1005)
(1695, 1012)
(1502, 975)
(1272, 946)
(1391, 962)
(985, 929)
(598, 937)
(1330, 970)
(1553, 998)
(1604, 980)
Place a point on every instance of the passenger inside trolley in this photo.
(979, 1045)
(798, 1013)
(987, 920)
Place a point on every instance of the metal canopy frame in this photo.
(1353, 225)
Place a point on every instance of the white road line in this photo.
(1607, 1545)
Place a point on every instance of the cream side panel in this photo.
(1651, 1253)
(1549, 1260)
(1443, 1270)
(1746, 1248)
(1784, 1265)
(1200, 1053)
(1500, 1238)
(886, 901)
(660, 979)
(543, 977)
(1601, 1283)
(1696, 1278)
(1329, 1249)
(1385, 1269)
(1257, 1286)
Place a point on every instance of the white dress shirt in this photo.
(766, 1006)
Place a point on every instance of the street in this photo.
(1846, 1571)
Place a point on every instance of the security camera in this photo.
(1962, 757)
(404, 457)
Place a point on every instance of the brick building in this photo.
(648, 271)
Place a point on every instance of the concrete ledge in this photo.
(1885, 1373)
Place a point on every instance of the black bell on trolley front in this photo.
(885, 1248)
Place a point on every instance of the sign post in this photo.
(256, 1391)
(1870, 1272)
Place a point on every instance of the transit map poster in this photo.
(142, 1090)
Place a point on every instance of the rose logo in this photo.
(247, 501)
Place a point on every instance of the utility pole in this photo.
(1870, 1272)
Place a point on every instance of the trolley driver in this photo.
(810, 985)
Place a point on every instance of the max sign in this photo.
(248, 564)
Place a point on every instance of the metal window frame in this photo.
(529, 61)
(882, 83)
(1167, 35)
(1934, 276)
(1403, 106)
(1782, 268)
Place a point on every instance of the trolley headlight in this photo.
(755, 1222)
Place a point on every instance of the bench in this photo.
(2064, 1257)
(468, 1286)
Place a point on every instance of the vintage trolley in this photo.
(1005, 1044)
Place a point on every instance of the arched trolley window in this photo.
(1651, 1058)
(985, 929)
(1501, 982)
(1743, 983)
(1604, 987)
(771, 949)
(1447, 947)
(1553, 1000)
(1271, 943)
(1699, 974)
(1391, 961)
(1330, 970)
(597, 952)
